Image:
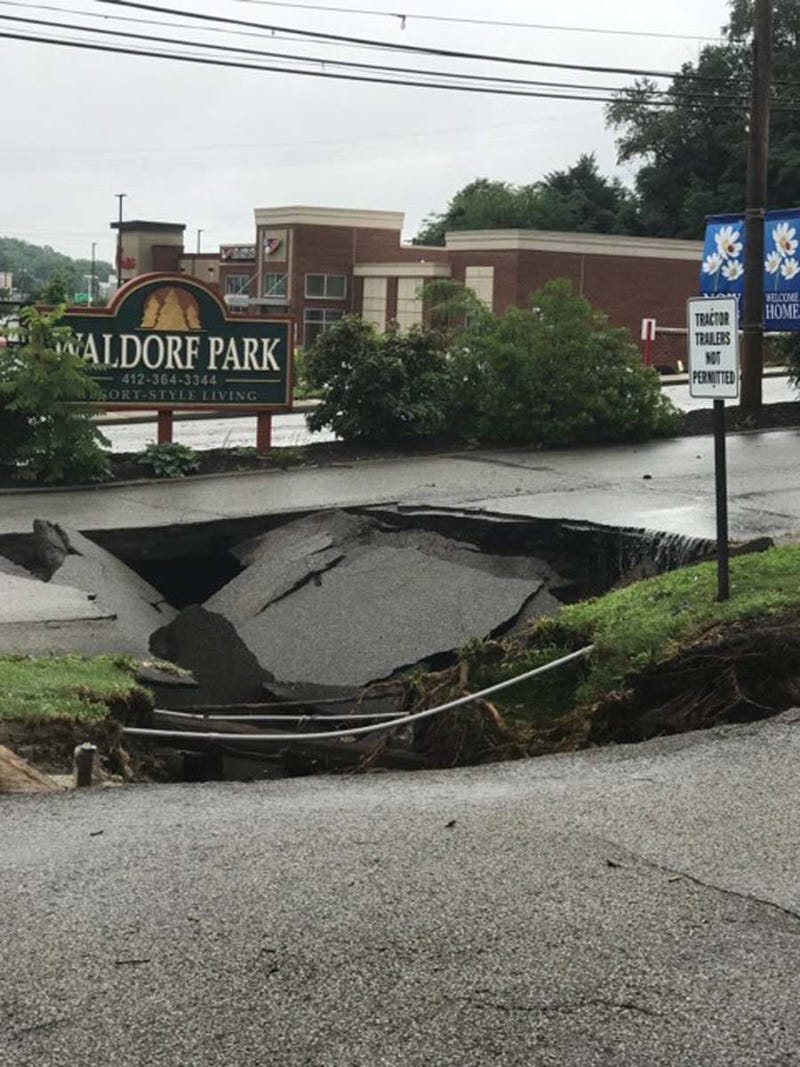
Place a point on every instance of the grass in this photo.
(634, 628)
(50, 687)
(649, 621)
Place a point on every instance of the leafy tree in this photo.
(46, 430)
(55, 292)
(379, 389)
(556, 375)
(34, 265)
(579, 198)
(692, 153)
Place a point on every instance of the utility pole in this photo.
(120, 197)
(93, 276)
(198, 241)
(755, 203)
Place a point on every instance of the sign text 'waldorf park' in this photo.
(167, 341)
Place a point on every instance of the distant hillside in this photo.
(34, 265)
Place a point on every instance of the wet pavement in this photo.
(634, 905)
(661, 485)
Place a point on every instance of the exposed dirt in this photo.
(48, 744)
(739, 673)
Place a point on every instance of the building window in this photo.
(373, 304)
(481, 281)
(276, 286)
(236, 283)
(409, 303)
(315, 320)
(326, 286)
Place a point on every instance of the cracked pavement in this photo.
(633, 905)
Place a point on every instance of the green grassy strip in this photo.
(49, 687)
(649, 621)
(631, 628)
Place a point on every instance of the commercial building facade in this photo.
(319, 264)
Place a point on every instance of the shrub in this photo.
(786, 348)
(379, 388)
(47, 433)
(168, 459)
(557, 374)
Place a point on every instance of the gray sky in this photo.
(205, 145)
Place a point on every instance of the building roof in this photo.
(596, 244)
(143, 224)
(306, 215)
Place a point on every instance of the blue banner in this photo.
(782, 270)
(722, 271)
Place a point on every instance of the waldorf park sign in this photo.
(167, 341)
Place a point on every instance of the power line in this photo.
(414, 17)
(417, 49)
(344, 64)
(331, 75)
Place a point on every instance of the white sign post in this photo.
(713, 324)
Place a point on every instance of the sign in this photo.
(722, 271)
(713, 336)
(81, 298)
(166, 341)
(781, 271)
(648, 329)
(237, 253)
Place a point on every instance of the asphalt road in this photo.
(633, 906)
(662, 485)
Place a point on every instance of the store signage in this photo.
(722, 271)
(237, 253)
(713, 325)
(167, 341)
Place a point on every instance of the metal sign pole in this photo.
(713, 350)
(721, 483)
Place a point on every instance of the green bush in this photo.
(47, 432)
(168, 459)
(786, 349)
(380, 388)
(555, 375)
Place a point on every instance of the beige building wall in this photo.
(375, 301)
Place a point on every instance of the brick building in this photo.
(319, 264)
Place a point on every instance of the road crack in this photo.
(675, 873)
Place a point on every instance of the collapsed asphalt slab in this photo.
(339, 600)
(73, 596)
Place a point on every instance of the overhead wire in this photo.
(413, 16)
(185, 57)
(324, 61)
(398, 47)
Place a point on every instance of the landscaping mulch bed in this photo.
(125, 467)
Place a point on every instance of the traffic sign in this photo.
(713, 334)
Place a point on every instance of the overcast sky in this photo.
(205, 145)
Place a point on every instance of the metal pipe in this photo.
(360, 730)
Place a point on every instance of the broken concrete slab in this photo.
(28, 600)
(340, 600)
(132, 609)
(386, 610)
(224, 669)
